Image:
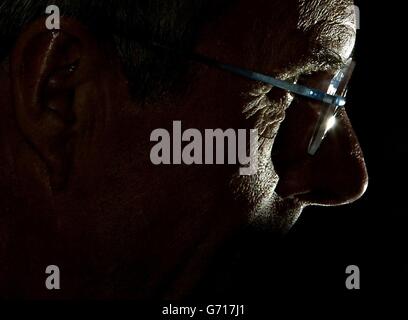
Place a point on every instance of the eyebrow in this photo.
(327, 58)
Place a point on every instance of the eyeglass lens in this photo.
(327, 119)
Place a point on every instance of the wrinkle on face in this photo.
(267, 112)
(257, 192)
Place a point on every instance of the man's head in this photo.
(79, 106)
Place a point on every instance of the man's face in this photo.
(152, 216)
(294, 41)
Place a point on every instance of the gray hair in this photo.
(128, 24)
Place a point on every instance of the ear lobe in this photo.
(47, 67)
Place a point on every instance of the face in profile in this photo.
(80, 189)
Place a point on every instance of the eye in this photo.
(316, 80)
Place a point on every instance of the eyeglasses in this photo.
(328, 113)
(331, 96)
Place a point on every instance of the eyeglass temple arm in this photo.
(314, 94)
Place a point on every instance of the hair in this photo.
(129, 25)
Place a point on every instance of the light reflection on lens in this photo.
(330, 123)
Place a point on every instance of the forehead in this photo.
(332, 24)
(271, 34)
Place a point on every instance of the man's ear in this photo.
(48, 69)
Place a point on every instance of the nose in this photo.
(335, 175)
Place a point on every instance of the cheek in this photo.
(257, 192)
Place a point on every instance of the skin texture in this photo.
(78, 187)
